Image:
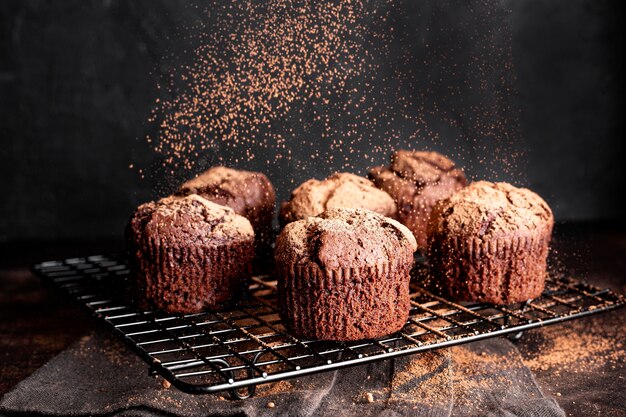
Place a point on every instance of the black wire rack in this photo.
(236, 349)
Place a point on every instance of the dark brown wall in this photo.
(77, 79)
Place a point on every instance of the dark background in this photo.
(77, 82)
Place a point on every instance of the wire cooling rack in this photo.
(238, 348)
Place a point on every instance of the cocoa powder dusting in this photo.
(274, 388)
(407, 384)
(577, 348)
(468, 372)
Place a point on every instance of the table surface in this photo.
(581, 363)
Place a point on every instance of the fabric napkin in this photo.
(99, 376)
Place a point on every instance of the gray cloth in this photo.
(99, 376)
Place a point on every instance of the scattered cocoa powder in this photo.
(408, 383)
(578, 348)
(469, 368)
(274, 388)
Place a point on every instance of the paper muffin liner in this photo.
(189, 279)
(344, 303)
(496, 270)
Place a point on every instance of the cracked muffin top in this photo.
(340, 190)
(188, 221)
(418, 168)
(345, 238)
(243, 191)
(485, 209)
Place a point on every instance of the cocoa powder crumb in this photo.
(364, 397)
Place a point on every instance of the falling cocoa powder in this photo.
(348, 81)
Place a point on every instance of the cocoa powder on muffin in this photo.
(189, 254)
(344, 275)
(338, 190)
(489, 242)
(416, 181)
(249, 194)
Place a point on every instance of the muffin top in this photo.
(421, 168)
(189, 220)
(338, 190)
(239, 190)
(486, 209)
(345, 238)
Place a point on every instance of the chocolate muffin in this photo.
(338, 190)
(189, 254)
(344, 275)
(249, 194)
(416, 181)
(489, 243)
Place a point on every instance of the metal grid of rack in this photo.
(239, 348)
